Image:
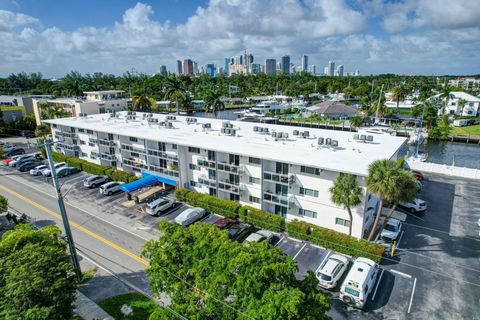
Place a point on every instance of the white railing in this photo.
(445, 169)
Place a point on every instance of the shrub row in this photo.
(334, 240)
(323, 237)
(93, 168)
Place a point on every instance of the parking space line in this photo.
(304, 245)
(411, 297)
(401, 273)
(399, 239)
(326, 257)
(378, 283)
(281, 239)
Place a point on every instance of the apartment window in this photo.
(212, 174)
(114, 164)
(90, 131)
(308, 192)
(134, 154)
(194, 150)
(281, 189)
(193, 166)
(254, 199)
(211, 155)
(91, 144)
(307, 213)
(174, 146)
(133, 139)
(342, 222)
(54, 125)
(234, 159)
(310, 170)
(254, 160)
(110, 136)
(82, 142)
(254, 180)
(72, 129)
(81, 130)
(84, 154)
(281, 168)
(161, 146)
(193, 183)
(234, 197)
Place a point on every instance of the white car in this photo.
(189, 216)
(392, 229)
(416, 206)
(94, 181)
(330, 272)
(259, 236)
(47, 173)
(159, 205)
(110, 188)
(38, 170)
(359, 282)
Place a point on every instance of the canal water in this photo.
(442, 152)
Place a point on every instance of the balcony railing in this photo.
(227, 168)
(65, 134)
(109, 157)
(133, 149)
(93, 140)
(207, 182)
(163, 170)
(105, 142)
(206, 164)
(275, 177)
(276, 198)
(135, 164)
(162, 155)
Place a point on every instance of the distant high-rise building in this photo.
(304, 63)
(226, 65)
(210, 70)
(326, 70)
(270, 66)
(238, 60)
(256, 68)
(250, 58)
(179, 67)
(286, 64)
(163, 69)
(340, 70)
(331, 68)
(312, 69)
(188, 67)
(195, 68)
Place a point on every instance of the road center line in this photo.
(411, 297)
(76, 226)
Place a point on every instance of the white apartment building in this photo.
(465, 83)
(280, 169)
(459, 104)
(94, 102)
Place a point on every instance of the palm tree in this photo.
(383, 181)
(399, 93)
(356, 121)
(142, 103)
(42, 130)
(213, 102)
(406, 192)
(461, 104)
(445, 94)
(175, 91)
(347, 193)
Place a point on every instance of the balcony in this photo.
(163, 170)
(207, 182)
(92, 140)
(228, 187)
(135, 164)
(162, 155)
(227, 168)
(65, 134)
(206, 164)
(108, 157)
(105, 142)
(276, 177)
(133, 149)
(276, 199)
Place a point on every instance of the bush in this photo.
(334, 240)
(58, 157)
(94, 168)
(222, 207)
(3, 204)
(262, 219)
(181, 194)
(117, 175)
(76, 162)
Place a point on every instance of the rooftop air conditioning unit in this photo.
(274, 134)
(296, 132)
(255, 129)
(321, 141)
(334, 143)
(206, 125)
(265, 130)
(328, 141)
(369, 138)
(356, 136)
(82, 115)
(306, 134)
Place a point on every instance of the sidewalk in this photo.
(87, 309)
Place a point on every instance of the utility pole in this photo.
(68, 232)
(378, 105)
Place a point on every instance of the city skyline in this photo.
(405, 37)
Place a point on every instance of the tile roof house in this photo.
(333, 110)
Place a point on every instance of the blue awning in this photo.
(146, 180)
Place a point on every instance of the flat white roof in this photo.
(350, 156)
(103, 92)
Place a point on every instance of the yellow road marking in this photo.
(77, 226)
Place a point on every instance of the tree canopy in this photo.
(36, 277)
(208, 276)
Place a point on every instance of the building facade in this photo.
(15, 107)
(188, 67)
(270, 66)
(283, 170)
(331, 68)
(459, 104)
(304, 63)
(179, 67)
(286, 64)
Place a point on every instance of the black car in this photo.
(26, 166)
(27, 134)
(15, 152)
(66, 171)
(240, 231)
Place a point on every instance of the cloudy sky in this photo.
(111, 36)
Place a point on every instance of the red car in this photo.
(224, 223)
(417, 174)
(7, 161)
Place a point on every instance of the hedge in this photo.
(334, 240)
(181, 193)
(3, 204)
(223, 207)
(262, 219)
(75, 162)
(58, 157)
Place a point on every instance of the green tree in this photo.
(208, 276)
(3, 204)
(36, 277)
(346, 193)
(175, 91)
(445, 95)
(399, 93)
(142, 103)
(383, 180)
(441, 130)
(2, 153)
(42, 130)
(213, 102)
(356, 121)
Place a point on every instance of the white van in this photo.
(110, 188)
(158, 205)
(359, 283)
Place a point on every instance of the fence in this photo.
(462, 172)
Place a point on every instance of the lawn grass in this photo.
(141, 305)
(88, 274)
(465, 131)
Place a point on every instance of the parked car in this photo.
(416, 206)
(7, 147)
(225, 223)
(14, 152)
(417, 174)
(94, 181)
(239, 231)
(159, 205)
(47, 173)
(110, 188)
(260, 235)
(38, 170)
(330, 272)
(420, 185)
(190, 216)
(27, 134)
(28, 165)
(7, 161)
(20, 160)
(392, 230)
(359, 282)
(66, 171)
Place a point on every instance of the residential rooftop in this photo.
(104, 92)
(350, 155)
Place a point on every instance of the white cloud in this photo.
(323, 29)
